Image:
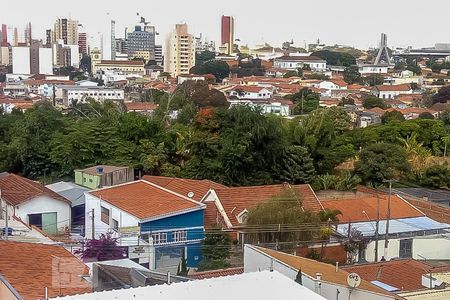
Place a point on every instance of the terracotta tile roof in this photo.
(30, 268)
(248, 88)
(404, 274)
(146, 200)
(141, 106)
(237, 199)
(395, 88)
(355, 87)
(185, 186)
(16, 189)
(339, 82)
(352, 209)
(217, 273)
(36, 82)
(329, 274)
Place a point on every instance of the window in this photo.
(159, 238)
(105, 215)
(179, 236)
(405, 250)
(115, 224)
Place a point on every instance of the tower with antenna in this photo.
(113, 40)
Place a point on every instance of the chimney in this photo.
(168, 278)
(337, 266)
(318, 284)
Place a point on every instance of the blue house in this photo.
(159, 227)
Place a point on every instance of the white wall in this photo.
(21, 60)
(45, 204)
(46, 61)
(436, 248)
(255, 261)
(124, 219)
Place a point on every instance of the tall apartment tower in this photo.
(48, 38)
(179, 55)
(66, 30)
(227, 39)
(28, 37)
(4, 41)
(113, 40)
(82, 43)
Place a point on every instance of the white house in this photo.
(34, 204)
(183, 78)
(250, 92)
(98, 93)
(324, 279)
(298, 62)
(331, 85)
(373, 69)
(392, 91)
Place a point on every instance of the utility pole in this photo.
(388, 217)
(377, 226)
(93, 225)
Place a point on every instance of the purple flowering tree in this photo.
(103, 248)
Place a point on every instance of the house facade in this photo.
(294, 63)
(158, 226)
(34, 204)
(392, 91)
(102, 175)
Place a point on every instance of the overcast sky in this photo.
(349, 22)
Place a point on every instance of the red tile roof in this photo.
(236, 200)
(217, 273)
(248, 88)
(399, 87)
(146, 200)
(185, 186)
(353, 209)
(339, 82)
(16, 189)
(404, 274)
(30, 268)
(300, 58)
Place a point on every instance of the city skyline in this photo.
(254, 23)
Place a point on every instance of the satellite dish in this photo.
(191, 195)
(353, 280)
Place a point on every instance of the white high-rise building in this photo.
(180, 51)
(46, 61)
(21, 60)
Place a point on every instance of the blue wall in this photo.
(187, 220)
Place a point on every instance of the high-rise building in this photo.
(159, 55)
(227, 36)
(121, 46)
(82, 43)
(203, 44)
(66, 30)
(113, 40)
(141, 40)
(34, 56)
(48, 37)
(4, 41)
(21, 60)
(179, 55)
(16, 37)
(28, 37)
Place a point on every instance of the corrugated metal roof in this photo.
(395, 226)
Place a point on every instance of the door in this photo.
(49, 223)
(36, 220)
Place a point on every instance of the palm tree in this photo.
(418, 155)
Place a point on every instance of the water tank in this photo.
(99, 169)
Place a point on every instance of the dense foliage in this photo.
(194, 135)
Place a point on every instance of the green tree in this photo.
(218, 68)
(295, 166)
(216, 250)
(426, 115)
(379, 162)
(372, 101)
(437, 176)
(205, 56)
(392, 116)
(352, 75)
(335, 58)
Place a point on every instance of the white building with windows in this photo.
(294, 63)
(77, 93)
